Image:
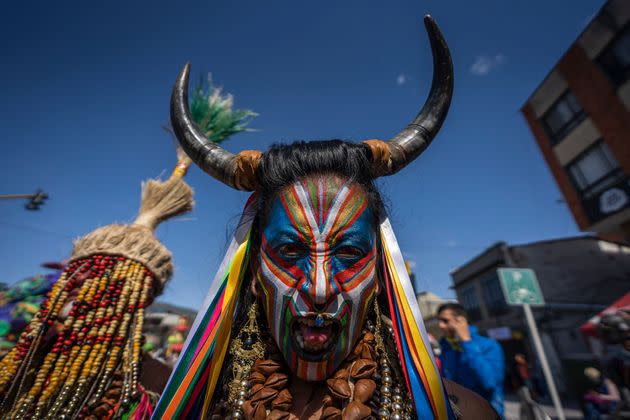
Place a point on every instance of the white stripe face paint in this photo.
(318, 254)
(321, 235)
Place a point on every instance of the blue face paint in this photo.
(317, 273)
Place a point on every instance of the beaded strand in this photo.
(10, 363)
(86, 356)
(105, 320)
(30, 339)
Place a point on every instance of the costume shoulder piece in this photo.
(467, 404)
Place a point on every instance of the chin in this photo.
(314, 349)
(314, 371)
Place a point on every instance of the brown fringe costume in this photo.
(351, 393)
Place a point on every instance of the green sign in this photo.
(520, 286)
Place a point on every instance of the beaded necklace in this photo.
(367, 385)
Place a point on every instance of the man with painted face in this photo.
(316, 271)
(312, 314)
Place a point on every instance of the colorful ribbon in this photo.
(418, 363)
(190, 388)
(191, 385)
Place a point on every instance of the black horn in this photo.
(209, 156)
(417, 136)
(404, 148)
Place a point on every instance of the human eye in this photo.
(291, 250)
(349, 252)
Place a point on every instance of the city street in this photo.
(512, 407)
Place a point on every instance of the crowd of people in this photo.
(479, 364)
(608, 390)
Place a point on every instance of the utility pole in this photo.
(35, 200)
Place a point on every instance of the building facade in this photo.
(580, 118)
(429, 303)
(578, 277)
(161, 318)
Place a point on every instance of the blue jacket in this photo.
(479, 366)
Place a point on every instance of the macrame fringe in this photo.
(65, 360)
(134, 242)
(163, 200)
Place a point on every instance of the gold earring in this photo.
(246, 348)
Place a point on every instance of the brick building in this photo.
(580, 118)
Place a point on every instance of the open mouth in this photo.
(314, 336)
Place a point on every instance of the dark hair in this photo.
(284, 164)
(456, 308)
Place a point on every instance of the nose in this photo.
(318, 287)
(318, 292)
(318, 296)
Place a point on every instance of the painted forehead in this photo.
(324, 205)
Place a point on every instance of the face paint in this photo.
(317, 272)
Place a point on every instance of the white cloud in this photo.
(485, 64)
(401, 79)
(451, 244)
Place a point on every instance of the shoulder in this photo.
(467, 404)
(487, 343)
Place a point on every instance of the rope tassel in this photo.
(80, 355)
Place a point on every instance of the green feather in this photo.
(212, 112)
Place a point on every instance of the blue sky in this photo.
(85, 88)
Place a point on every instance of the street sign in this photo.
(520, 286)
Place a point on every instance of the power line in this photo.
(35, 229)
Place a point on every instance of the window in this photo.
(615, 60)
(595, 170)
(470, 302)
(493, 295)
(564, 115)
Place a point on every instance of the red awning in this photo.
(589, 328)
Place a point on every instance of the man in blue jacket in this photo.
(469, 359)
